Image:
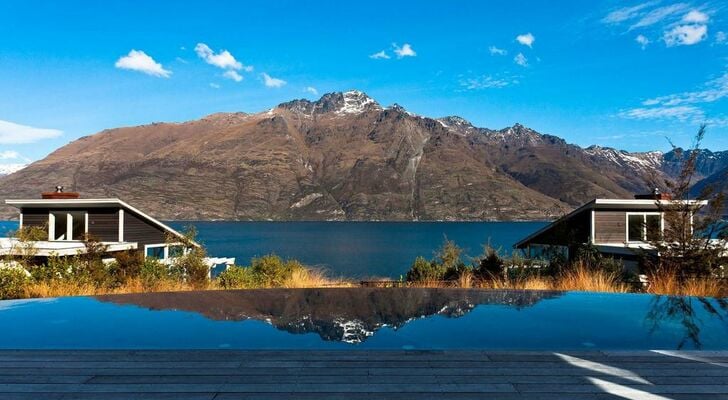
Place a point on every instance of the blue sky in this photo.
(620, 74)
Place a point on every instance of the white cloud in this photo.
(487, 82)
(659, 14)
(214, 86)
(626, 13)
(139, 61)
(12, 155)
(682, 106)
(720, 37)
(642, 40)
(405, 51)
(272, 82)
(695, 17)
(222, 60)
(496, 51)
(311, 89)
(521, 60)
(382, 55)
(12, 133)
(685, 35)
(526, 39)
(232, 74)
(681, 113)
(713, 90)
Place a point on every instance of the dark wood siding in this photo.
(610, 226)
(103, 224)
(35, 217)
(573, 231)
(139, 230)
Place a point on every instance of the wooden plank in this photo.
(654, 389)
(29, 378)
(332, 379)
(354, 375)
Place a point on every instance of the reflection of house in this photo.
(68, 220)
(619, 228)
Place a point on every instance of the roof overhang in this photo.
(91, 203)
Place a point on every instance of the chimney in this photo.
(655, 195)
(60, 194)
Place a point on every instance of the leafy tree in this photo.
(693, 241)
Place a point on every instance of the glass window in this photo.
(653, 227)
(155, 252)
(60, 226)
(78, 228)
(635, 227)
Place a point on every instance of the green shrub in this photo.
(13, 282)
(271, 271)
(237, 278)
(153, 273)
(55, 269)
(89, 265)
(454, 272)
(127, 265)
(192, 268)
(423, 271)
(490, 266)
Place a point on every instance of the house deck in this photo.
(210, 374)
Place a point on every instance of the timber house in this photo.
(69, 220)
(617, 228)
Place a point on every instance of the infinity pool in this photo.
(367, 319)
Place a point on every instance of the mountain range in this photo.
(344, 157)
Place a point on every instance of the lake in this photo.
(350, 249)
(367, 318)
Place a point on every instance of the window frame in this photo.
(165, 252)
(69, 225)
(644, 215)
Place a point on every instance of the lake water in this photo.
(350, 249)
(367, 318)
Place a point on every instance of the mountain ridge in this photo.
(341, 157)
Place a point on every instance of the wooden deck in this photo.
(422, 375)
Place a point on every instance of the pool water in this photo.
(367, 318)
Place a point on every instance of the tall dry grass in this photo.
(582, 278)
(299, 279)
(69, 288)
(312, 278)
(670, 284)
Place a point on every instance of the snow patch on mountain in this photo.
(651, 160)
(356, 102)
(7, 169)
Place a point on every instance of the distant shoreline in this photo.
(352, 221)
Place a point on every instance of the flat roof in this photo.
(90, 203)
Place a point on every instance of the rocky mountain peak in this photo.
(455, 121)
(350, 102)
(397, 107)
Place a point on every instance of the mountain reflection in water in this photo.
(344, 315)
